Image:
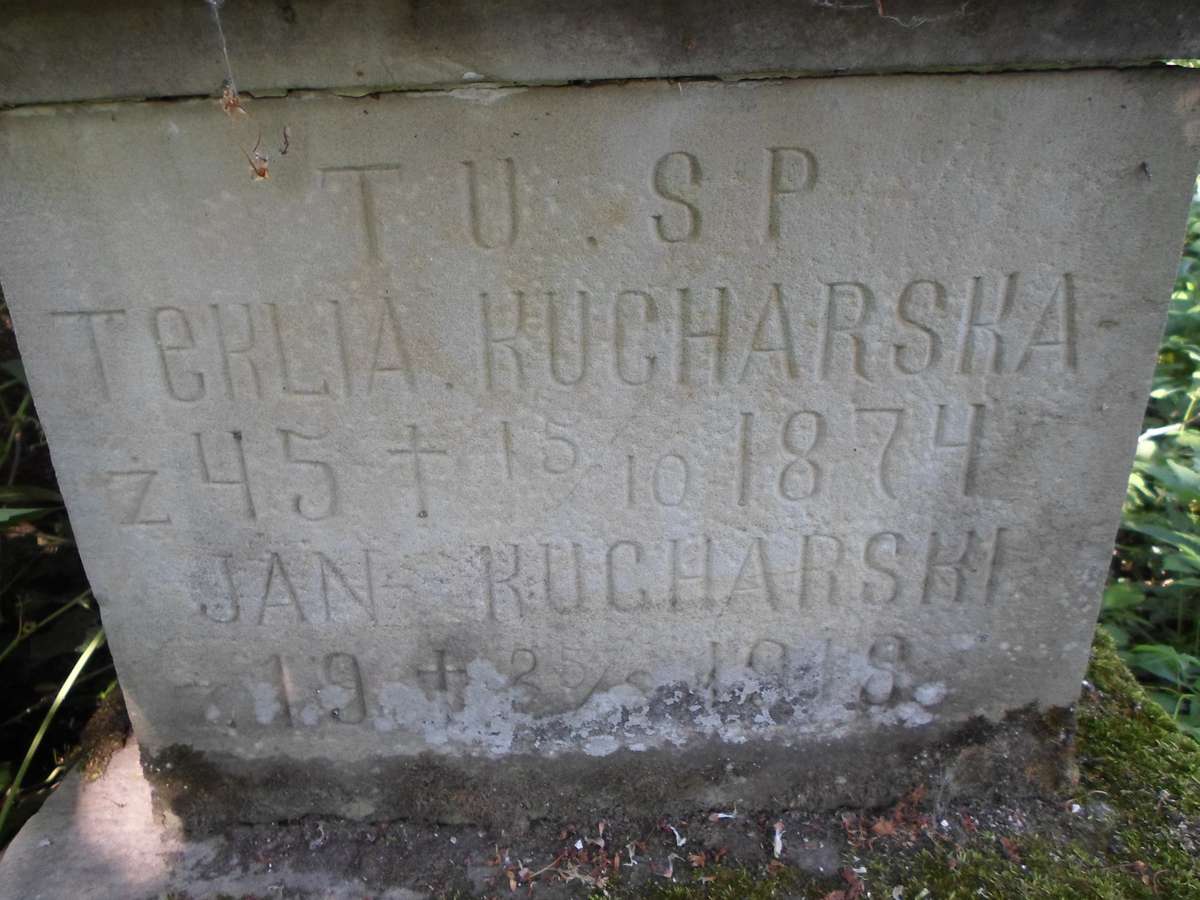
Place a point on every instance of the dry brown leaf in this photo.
(1010, 849)
(856, 887)
(884, 827)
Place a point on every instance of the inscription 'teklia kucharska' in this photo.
(443, 435)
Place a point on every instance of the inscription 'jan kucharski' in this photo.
(794, 574)
(838, 331)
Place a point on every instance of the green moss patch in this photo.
(1129, 829)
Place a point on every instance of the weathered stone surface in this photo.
(676, 427)
(101, 840)
(77, 49)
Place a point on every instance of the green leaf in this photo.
(1123, 595)
(28, 493)
(1168, 701)
(1169, 536)
(1119, 635)
(16, 369)
(1164, 662)
(10, 515)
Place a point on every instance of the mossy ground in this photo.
(1130, 829)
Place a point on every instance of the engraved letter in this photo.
(680, 577)
(769, 658)
(853, 292)
(242, 479)
(687, 333)
(689, 167)
(649, 316)
(810, 565)
(614, 594)
(289, 386)
(994, 360)
(784, 344)
(884, 543)
(311, 511)
(89, 317)
(563, 604)
(491, 340)
(660, 480)
(882, 482)
(754, 575)
(135, 512)
(344, 687)
(177, 339)
(397, 351)
(942, 573)
(507, 234)
(801, 478)
(279, 592)
(570, 450)
(792, 170)
(1058, 317)
(332, 576)
(969, 443)
(745, 478)
(233, 606)
(491, 581)
(366, 201)
(908, 359)
(585, 329)
(228, 351)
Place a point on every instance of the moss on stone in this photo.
(1130, 829)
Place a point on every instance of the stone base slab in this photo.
(114, 837)
(101, 840)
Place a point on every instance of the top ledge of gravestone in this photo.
(78, 50)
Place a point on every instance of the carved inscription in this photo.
(806, 571)
(713, 335)
(367, 215)
(293, 588)
(498, 198)
(307, 693)
(133, 492)
(760, 460)
(414, 451)
(232, 462)
(327, 502)
(334, 689)
(792, 171)
(444, 679)
(676, 179)
(746, 454)
(88, 326)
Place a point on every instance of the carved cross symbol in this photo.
(439, 677)
(417, 451)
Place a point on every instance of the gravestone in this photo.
(478, 451)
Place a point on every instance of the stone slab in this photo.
(694, 441)
(102, 840)
(78, 49)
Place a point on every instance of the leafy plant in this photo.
(1152, 604)
(46, 611)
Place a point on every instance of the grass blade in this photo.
(92, 646)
